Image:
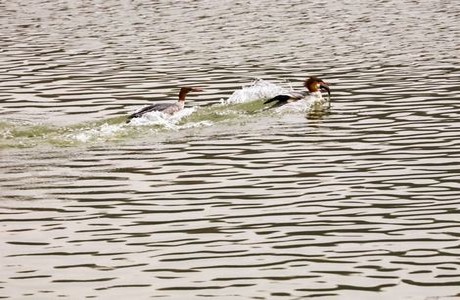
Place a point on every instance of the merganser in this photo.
(166, 108)
(314, 87)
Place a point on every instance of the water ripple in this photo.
(227, 200)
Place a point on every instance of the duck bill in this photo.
(325, 88)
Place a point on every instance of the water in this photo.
(227, 200)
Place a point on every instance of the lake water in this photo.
(228, 200)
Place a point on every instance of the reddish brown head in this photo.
(185, 90)
(314, 84)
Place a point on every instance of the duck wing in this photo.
(150, 108)
(285, 98)
(280, 99)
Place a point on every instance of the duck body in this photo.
(311, 98)
(165, 108)
(311, 102)
(284, 99)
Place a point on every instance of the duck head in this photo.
(314, 84)
(185, 90)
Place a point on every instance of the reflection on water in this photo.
(228, 200)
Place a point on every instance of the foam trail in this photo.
(104, 131)
(237, 105)
(161, 119)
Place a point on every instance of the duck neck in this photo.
(182, 94)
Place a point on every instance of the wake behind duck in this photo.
(250, 99)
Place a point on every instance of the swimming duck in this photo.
(314, 87)
(166, 108)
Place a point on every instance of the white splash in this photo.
(264, 90)
(259, 89)
(312, 103)
(197, 124)
(110, 131)
(162, 119)
(103, 131)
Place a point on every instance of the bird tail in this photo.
(132, 116)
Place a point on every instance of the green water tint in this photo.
(20, 135)
(113, 130)
(13, 135)
(116, 130)
(225, 112)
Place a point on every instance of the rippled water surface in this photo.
(228, 200)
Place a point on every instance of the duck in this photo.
(166, 108)
(314, 86)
